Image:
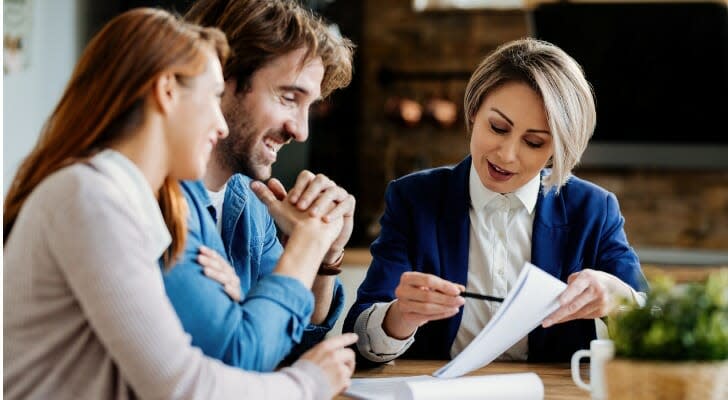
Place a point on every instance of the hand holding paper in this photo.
(534, 296)
(589, 294)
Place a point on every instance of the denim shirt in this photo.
(272, 319)
(244, 216)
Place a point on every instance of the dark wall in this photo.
(100, 12)
(430, 53)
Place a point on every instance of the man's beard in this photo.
(235, 152)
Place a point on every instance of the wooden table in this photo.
(556, 377)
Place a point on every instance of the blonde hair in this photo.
(559, 80)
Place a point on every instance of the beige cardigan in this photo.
(86, 315)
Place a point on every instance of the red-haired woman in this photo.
(96, 204)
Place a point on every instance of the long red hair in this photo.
(104, 101)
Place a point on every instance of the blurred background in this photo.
(659, 70)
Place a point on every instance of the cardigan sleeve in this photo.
(104, 257)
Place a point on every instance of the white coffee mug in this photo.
(600, 351)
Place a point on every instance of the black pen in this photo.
(481, 296)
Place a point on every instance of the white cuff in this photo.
(639, 297)
(374, 344)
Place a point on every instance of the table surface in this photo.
(556, 377)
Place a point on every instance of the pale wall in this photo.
(30, 95)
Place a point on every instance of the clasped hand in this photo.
(312, 200)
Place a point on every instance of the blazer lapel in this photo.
(453, 234)
(550, 234)
(548, 242)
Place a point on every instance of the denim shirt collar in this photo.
(236, 198)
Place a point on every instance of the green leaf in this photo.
(678, 322)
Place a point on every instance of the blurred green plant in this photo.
(678, 322)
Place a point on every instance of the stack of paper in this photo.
(504, 386)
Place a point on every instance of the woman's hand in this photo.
(217, 269)
(421, 298)
(335, 359)
(589, 294)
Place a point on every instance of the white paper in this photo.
(380, 388)
(533, 298)
(500, 386)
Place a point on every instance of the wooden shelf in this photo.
(686, 273)
(359, 256)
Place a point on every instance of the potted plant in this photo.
(675, 346)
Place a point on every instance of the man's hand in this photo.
(323, 286)
(289, 218)
(321, 197)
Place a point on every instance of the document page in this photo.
(533, 298)
(501, 387)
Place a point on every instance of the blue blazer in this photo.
(425, 228)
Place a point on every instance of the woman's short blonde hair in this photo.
(559, 80)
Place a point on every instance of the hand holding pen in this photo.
(421, 298)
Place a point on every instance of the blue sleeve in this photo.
(313, 333)
(255, 334)
(616, 256)
(389, 258)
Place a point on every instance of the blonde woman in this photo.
(529, 113)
